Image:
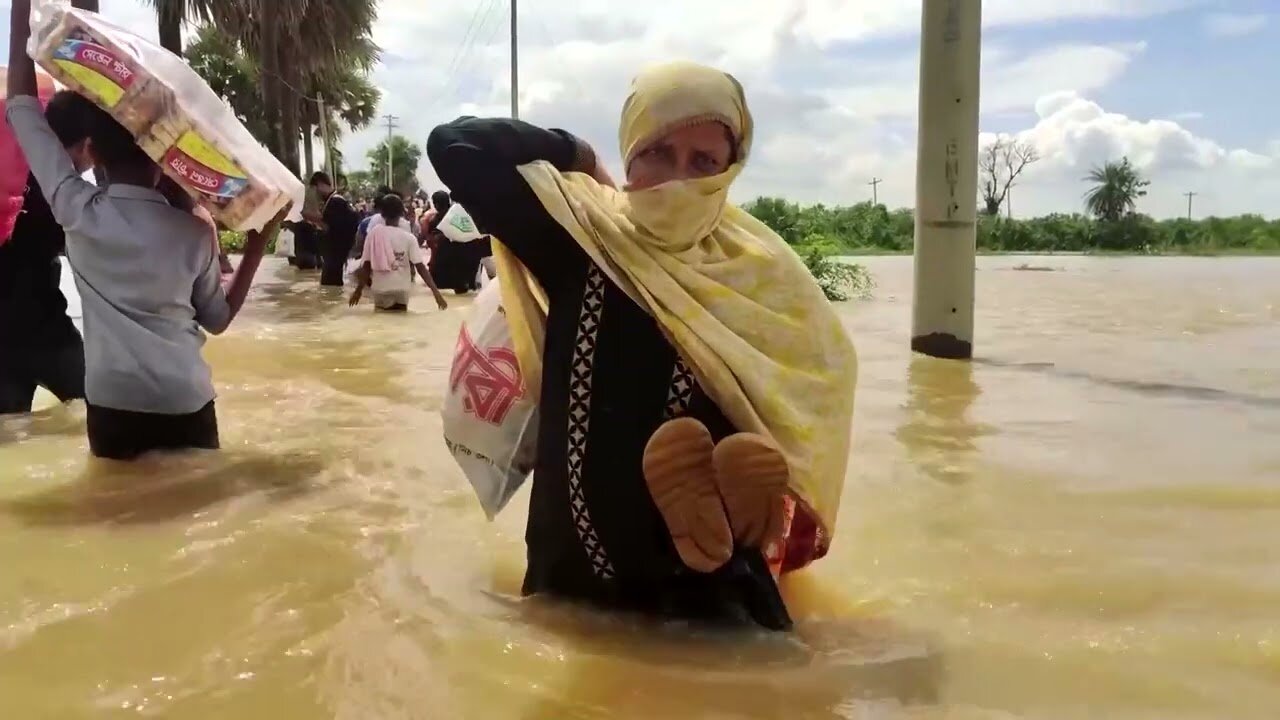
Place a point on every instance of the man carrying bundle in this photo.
(147, 273)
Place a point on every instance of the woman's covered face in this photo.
(686, 153)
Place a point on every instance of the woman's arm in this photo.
(477, 159)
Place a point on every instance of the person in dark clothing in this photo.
(453, 264)
(340, 222)
(308, 234)
(39, 343)
(646, 496)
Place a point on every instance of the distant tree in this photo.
(362, 183)
(404, 157)
(999, 164)
(1116, 189)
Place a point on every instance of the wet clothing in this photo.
(342, 221)
(392, 301)
(124, 435)
(454, 266)
(39, 344)
(148, 279)
(306, 246)
(610, 378)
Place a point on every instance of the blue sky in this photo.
(1186, 88)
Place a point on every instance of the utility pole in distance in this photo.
(391, 121)
(1189, 196)
(875, 195)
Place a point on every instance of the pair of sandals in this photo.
(715, 495)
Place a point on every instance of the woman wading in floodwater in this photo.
(695, 386)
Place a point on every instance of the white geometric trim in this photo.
(580, 379)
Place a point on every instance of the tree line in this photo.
(865, 227)
(1111, 221)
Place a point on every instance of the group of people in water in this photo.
(695, 388)
(330, 231)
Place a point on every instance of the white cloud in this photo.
(832, 110)
(1234, 24)
(1073, 134)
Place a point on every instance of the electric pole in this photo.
(391, 121)
(947, 178)
(515, 63)
(875, 194)
(1189, 196)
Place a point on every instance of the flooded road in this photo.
(1080, 524)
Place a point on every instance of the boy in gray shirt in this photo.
(147, 274)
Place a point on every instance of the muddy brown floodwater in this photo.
(1080, 524)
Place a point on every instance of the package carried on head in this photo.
(458, 226)
(174, 115)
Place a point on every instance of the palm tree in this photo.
(350, 99)
(295, 44)
(292, 41)
(169, 17)
(1117, 187)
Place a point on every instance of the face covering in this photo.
(679, 213)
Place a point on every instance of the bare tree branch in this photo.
(1000, 164)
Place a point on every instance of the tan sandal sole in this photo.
(752, 476)
(681, 477)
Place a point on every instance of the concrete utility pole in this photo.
(515, 63)
(391, 121)
(1189, 196)
(875, 195)
(947, 179)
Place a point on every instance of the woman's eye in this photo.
(705, 163)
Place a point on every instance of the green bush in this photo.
(839, 280)
(865, 227)
(232, 242)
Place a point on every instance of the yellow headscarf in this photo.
(733, 298)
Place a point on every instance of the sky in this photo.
(1188, 90)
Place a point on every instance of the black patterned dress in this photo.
(610, 378)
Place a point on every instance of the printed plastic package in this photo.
(458, 226)
(177, 119)
(490, 420)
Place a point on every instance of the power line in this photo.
(454, 73)
(466, 36)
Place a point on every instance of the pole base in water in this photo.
(942, 345)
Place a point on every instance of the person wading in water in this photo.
(694, 384)
(340, 222)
